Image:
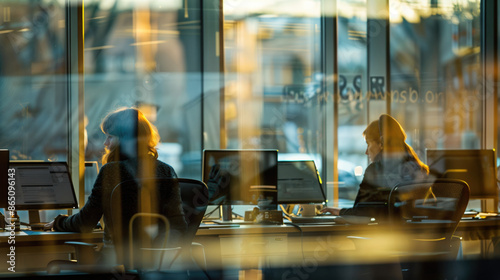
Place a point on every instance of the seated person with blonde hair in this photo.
(393, 161)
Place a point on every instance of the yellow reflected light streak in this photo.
(154, 31)
(148, 43)
(99, 48)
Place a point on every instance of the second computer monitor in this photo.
(245, 177)
(299, 183)
(42, 185)
(476, 167)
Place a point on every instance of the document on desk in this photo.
(208, 226)
(345, 219)
(7, 233)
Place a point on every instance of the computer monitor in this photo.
(250, 177)
(4, 177)
(476, 167)
(42, 186)
(299, 183)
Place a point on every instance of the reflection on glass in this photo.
(147, 55)
(273, 76)
(32, 81)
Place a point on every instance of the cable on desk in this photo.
(235, 215)
(301, 239)
(211, 212)
(284, 210)
(285, 213)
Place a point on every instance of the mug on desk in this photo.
(308, 210)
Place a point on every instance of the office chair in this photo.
(195, 198)
(430, 211)
(426, 214)
(139, 238)
(423, 217)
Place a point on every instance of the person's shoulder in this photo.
(410, 165)
(113, 165)
(116, 168)
(163, 164)
(165, 167)
(374, 167)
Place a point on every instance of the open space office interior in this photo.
(263, 139)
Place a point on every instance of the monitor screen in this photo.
(4, 178)
(299, 182)
(42, 185)
(476, 167)
(246, 177)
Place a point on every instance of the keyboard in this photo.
(318, 219)
(344, 219)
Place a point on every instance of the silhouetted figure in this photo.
(130, 154)
(392, 162)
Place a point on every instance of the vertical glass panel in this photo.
(146, 54)
(352, 101)
(435, 77)
(273, 74)
(34, 107)
(436, 73)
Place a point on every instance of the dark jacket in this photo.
(98, 203)
(380, 177)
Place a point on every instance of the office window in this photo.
(34, 107)
(353, 106)
(33, 84)
(146, 54)
(428, 57)
(273, 77)
(436, 73)
(151, 54)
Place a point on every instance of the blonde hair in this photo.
(393, 136)
(372, 132)
(130, 124)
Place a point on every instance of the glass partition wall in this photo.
(35, 107)
(146, 55)
(302, 76)
(419, 61)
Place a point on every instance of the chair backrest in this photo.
(194, 195)
(435, 207)
(149, 229)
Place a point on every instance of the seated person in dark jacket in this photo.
(129, 154)
(392, 162)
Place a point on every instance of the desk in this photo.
(235, 245)
(246, 245)
(480, 233)
(478, 229)
(35, 249)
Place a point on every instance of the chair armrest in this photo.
(164, 257)
(85, 253)
(198, 255)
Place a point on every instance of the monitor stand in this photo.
(489, 205)
(227, 217)
(34, 217)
